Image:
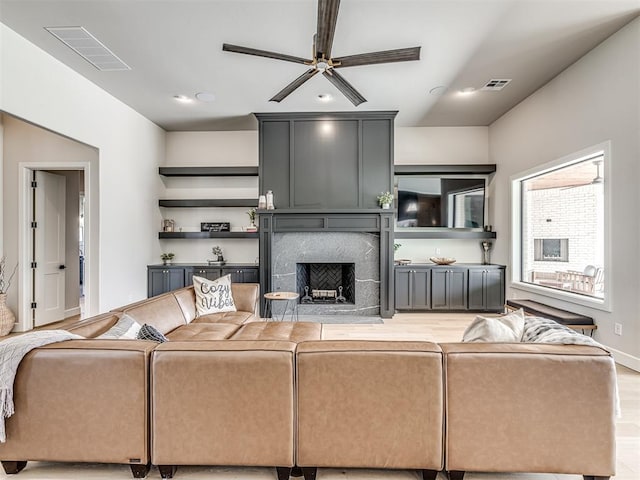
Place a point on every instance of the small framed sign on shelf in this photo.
(215, 226)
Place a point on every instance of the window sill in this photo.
(595, 303)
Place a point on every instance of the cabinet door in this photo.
(210, 273)
(403, 289)
(421, 289)
(439, 295)
(250, 275)
(155, 282)
(457, 289)
(477, 278)
(174, 279)
(494, 289)
(449, 289)
(164, 279)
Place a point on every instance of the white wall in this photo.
(211, 149)
(442, 145)
(38, 88)
(595, 100)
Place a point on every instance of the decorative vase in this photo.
(7, 318)
(386, 206)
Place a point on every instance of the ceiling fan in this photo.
(322, 59)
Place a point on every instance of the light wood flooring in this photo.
(441, 327)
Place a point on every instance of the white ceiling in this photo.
(175, 47)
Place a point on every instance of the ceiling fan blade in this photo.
(386, 56)
(264, 53)
(282, 94)
(327, 19)
(345, 87)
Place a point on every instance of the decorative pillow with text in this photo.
(213, 296)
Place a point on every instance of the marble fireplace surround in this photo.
(362, 236)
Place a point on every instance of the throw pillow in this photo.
(545, 330)
(125, 327)
(213, 296)
(506, 328)
(149, 332)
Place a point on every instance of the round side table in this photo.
(291, 299)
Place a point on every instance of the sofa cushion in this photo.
(203, 331)
(506, 328)
(125, 327)
(163, 312)
(237, 318)
(286, 331)
(213, 296)
(149, 332)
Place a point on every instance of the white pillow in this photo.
(507, 328)
(125, 327)
(213, 296)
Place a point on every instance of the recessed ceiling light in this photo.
(467, 91)
(439, 90)
(206, 97)
(182, 99)
(324, 97)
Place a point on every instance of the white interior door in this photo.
(49, 248)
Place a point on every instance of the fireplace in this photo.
(326, 250)
(326, 282)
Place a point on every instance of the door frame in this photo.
(25, 172)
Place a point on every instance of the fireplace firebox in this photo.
(326, 282)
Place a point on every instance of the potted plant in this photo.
(7, 318)
(385, 199)
(167, 258)
(252, 219)
(217, 254)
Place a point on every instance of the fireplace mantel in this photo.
(375, 221)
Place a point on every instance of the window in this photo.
(551, 249)
(559, 228)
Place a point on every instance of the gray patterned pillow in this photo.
(149, 332)
(545, 330)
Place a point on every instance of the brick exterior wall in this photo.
(574, 213)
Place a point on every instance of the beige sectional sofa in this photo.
(229, 389)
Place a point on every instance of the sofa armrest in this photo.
(81, 401)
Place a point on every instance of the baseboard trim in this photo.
(72, 312)
(625, 359)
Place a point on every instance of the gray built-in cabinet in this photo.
(447, 287)
(326, 160)
(164, 278)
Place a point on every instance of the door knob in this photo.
(62, 267)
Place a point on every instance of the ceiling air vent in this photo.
(496, 84)
(88, 47)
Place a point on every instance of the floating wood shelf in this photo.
(208, 171)
(445, 234)
(208, 235)
(218, 202)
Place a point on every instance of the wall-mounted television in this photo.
(445, 201)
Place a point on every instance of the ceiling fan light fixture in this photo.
(467, 91)
(206, 97)
(182, 99)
